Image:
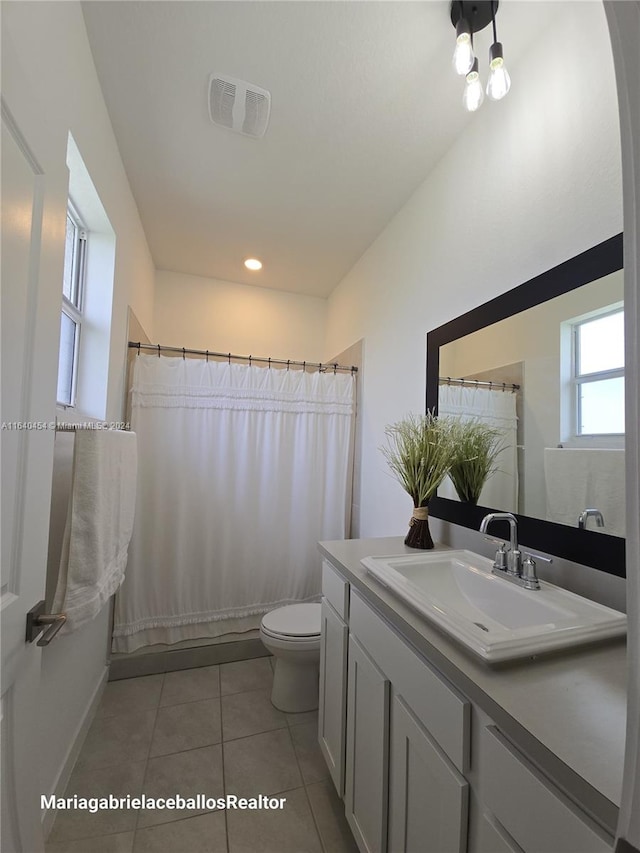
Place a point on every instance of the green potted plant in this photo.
(475, 448)
(418, 451)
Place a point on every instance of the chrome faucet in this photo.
(510, 564)
(590, 513)
(514, 557)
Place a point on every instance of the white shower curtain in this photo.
(242, 469)
(497, 409)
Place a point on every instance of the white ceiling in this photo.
(364, 104)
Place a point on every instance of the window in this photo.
(72, 305)
(598, 374)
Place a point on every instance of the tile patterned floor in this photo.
(214, 731)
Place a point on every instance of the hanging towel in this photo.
(99, 523)
(579, 478)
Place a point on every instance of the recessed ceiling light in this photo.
(253, 264)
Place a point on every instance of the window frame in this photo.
(73, 307)
(580, 379)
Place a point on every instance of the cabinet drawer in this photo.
(537, 815)
(438, 706)
(336, 590)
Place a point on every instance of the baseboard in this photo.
(133, 666)
(60, 786)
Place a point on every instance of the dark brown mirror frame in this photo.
(598, 550)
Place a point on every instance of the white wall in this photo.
(205, 313)
(535, 179)
(47, 66)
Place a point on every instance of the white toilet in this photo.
(292, 635)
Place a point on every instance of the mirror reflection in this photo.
(551, 379)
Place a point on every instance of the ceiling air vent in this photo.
(239, 105)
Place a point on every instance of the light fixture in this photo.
(499, 80)
(463, 54)
(253, 264)
(469, 17)
(473, 95)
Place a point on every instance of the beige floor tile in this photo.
(130, 694)
(305, 742)
(196, 771)
(243, 675)
(190, 685)
(120, 780)
(304, 717)
(245, 714)
(202, 834)
(290, 830)
(118, 740)
(328, 810)
(188, 726)
(261, 764)
(122, 842)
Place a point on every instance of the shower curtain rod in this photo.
(322, 368)
(448, 380)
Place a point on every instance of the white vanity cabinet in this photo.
(333, 674)
(365, 796)
(396, 735)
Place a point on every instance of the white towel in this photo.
(99, 523)
(582, 478)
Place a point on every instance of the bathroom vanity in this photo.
(435, 751)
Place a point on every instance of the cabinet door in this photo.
(333, 693)
(367, 751)
(428, 798)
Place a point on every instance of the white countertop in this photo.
(570, 703)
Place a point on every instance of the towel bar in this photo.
(39, 621)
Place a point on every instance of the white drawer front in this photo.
(439, 707)
(336, 590)
(531, 809)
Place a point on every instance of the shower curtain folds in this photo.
(242, 470)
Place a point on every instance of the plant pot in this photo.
(419, 535)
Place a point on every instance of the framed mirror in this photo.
(545, 362)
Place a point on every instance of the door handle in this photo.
(39, 621)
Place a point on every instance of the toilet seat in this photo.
(294, 622)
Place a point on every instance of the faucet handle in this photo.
(533, 556)
(529, 575)
(500, 559)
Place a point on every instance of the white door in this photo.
(31, 264)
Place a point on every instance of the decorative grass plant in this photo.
(418, 451)
(476, 447)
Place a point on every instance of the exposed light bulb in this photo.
(499, 80)
(473, 95)
(253, 264)
(463, 54)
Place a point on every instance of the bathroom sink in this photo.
(491, 617)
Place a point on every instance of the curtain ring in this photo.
(476, 381)
(269, 360)
(158, 350)
(207, 355)
(184, 354)
(249, 361)
(304, 366)
(288, 363)
(448, 380)
(229, 358)
(335, 367)
(138, 347)
(504, 387)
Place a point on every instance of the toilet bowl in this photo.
(292, 635)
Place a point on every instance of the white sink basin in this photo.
(492, 617)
